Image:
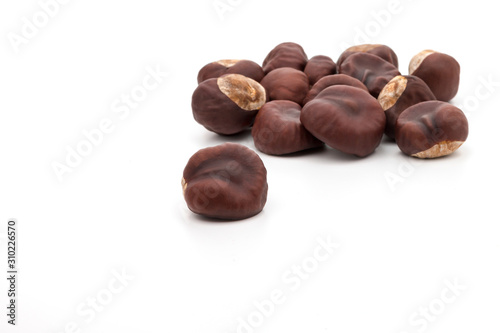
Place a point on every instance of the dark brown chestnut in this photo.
(286, 84)
(318, 67)
(278, 131)
(345, 118)
(285, 55)
(218, 68)
(431, 129)
(333, 80)
(370, 69)
(382, 51)
(228, 104)
(228, 181)
(399, 94)
(440, 71)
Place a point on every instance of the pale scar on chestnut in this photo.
(363, 48)
(228, 62)
(248, 94)
(440, 149)
(184, 185)
(417, 60)
(392, 92)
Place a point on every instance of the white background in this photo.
(122, 207)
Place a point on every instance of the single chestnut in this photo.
(278, 131)
(431, 129)
(218, 68)
(228, 181)
(440, 71)
(228, 104)
(382, 51)
(370, 69)
(333, 80)
(399, 94)
(285, 55)
(345, 118)
(286, 84)
(318, 67)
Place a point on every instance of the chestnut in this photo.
(278, 131)
(286, 84)
(228, 104)
(382, 51)
(218, 68)
(333, 80)
(440, 71)
(285, 55)
(431, 129)
(345, 118)
(228, 181)
(370, 69)
(318, 67)
(399, 94)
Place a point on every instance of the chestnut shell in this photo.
(382, 51)
(373, 71)
(285, 55)
(415, 91)
(278, 131)
(228, 181)
(286, 84)
(318, 67)
(333, 80)
(431, 129)
(441, 72)
(218, 113)
(345, 118)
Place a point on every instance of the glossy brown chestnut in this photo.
(373, 71)
(440, 71)
(286, 84)
(431, 129)
(278, 131)
(228, 104)
(218, 68)
(382, 51)
(333, 80)
(345, 118)
(399, 94)
(318, 67)
(285, 55)
(228, 181)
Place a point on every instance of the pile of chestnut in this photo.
(293, 103)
